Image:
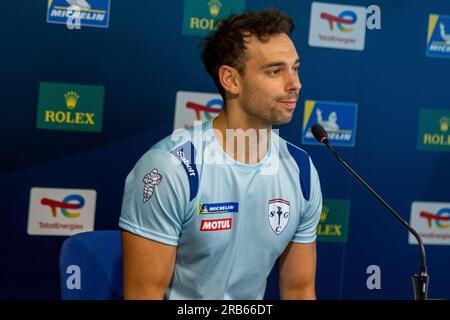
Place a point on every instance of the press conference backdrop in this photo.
(83, 97)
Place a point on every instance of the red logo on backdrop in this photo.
(208, 109)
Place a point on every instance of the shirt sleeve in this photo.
(155, 198)
(309, 218)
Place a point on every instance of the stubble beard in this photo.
(265, 115)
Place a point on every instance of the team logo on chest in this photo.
(278, 214)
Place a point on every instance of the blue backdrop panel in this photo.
(143, 59)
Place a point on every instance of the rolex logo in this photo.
(324, 213)
(214, 7)
(71, 99)
(444, 123)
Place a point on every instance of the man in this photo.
(196, 229)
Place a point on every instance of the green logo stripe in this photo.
(334, 220)
(202, 16)
(73, 107)
(434, 130)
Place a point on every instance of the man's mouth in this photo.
(290, 104)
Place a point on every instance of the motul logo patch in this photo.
(216, 224)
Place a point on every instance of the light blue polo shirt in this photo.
(230, 221)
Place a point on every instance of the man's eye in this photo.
(275, 72)
(296, 68)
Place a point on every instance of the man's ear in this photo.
(229, 79)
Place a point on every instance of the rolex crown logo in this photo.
(324, 213)
(71, 99)
(214, 7)
(444, 123)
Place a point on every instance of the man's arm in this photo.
(297, 271)
(147, 267)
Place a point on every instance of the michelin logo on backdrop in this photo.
(438, 37)
(76, 13)
(337, 118)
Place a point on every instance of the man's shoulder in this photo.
(179, 149)
(300, 161)
(178, 138)
(173, 156)
(291, 149)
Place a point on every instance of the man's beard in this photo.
(268, 115)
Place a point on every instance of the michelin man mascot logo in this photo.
(151, 180)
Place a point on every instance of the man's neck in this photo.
(243, 140)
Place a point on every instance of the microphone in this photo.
(420, 280)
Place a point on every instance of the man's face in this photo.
(270, 84)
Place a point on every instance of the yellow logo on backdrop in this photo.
(71, 99)
(444, 122)
(330, 229)
(437, 139)
(200, 17)
(214, 7)
(68, 117)
(205, 23)
(324, 214)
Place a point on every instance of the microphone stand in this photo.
(420, 280)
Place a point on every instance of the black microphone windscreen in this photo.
(319, 133)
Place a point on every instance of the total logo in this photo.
(196, 106)
(432, 221)
(345, 18)
(439, 218)
(341, 26)
(61, 211)
(65, 205)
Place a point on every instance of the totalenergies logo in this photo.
(212, 106)
(440, 217)
(71, 202)
(345, 18)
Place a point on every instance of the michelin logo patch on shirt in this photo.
(151, 180)
(89, 13)
(217, 208)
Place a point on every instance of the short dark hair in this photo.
(226, 46)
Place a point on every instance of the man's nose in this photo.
(293, 82)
